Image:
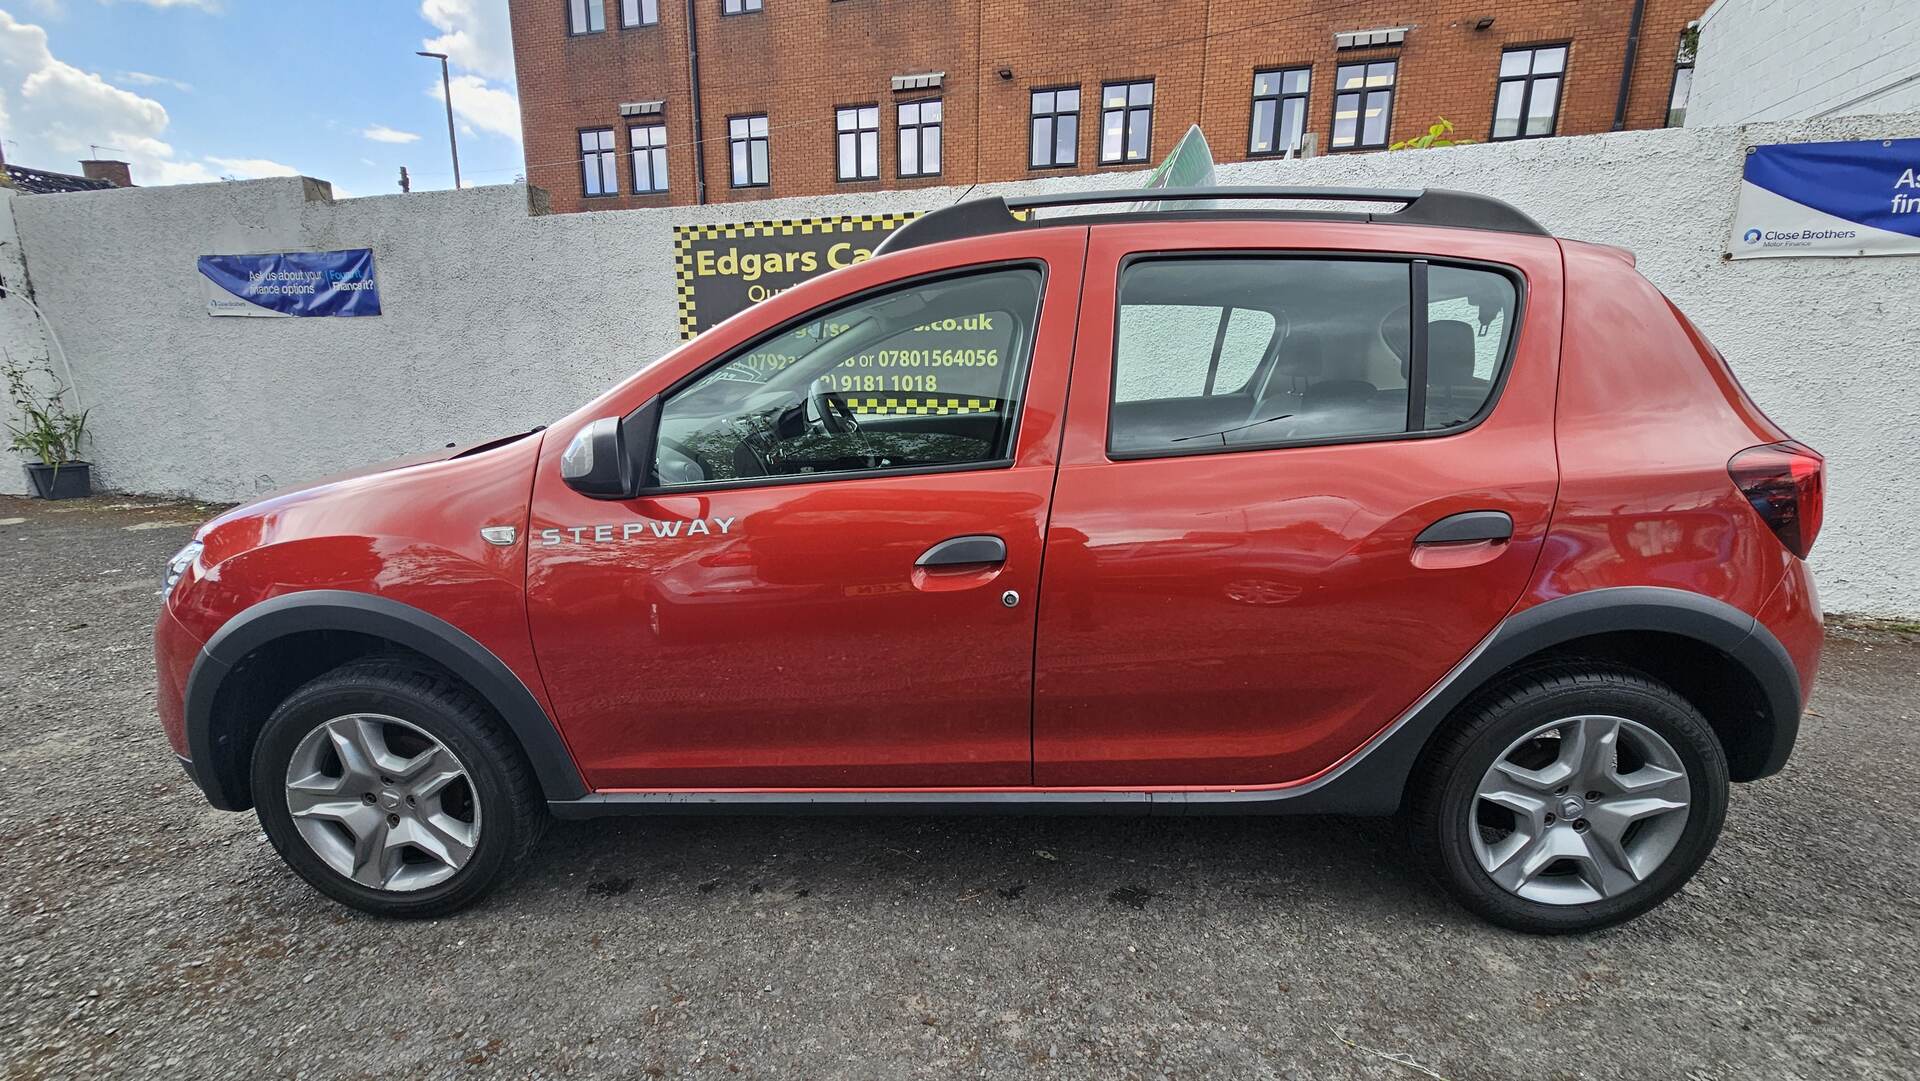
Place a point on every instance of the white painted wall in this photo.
(1805, 59)
(497, 320)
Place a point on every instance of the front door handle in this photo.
(1468, 526)
(969, 551)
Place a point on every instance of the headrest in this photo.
(1303, 353)
(1450, 353)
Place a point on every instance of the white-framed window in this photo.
(857, 129)
(1126, 122)
(919, 137)
(599, 163)
(747, 140)
(739, 7)
(649, 143)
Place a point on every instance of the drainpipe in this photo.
(699, 134)
(1626, 70)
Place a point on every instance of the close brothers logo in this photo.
(1795, 237)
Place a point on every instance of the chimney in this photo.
(113, 172)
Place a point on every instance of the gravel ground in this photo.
(151, 936)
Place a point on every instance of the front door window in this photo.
(924, 376)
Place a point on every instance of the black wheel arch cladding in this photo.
(209, 740)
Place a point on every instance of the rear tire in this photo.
(413, 801)
(1572, 798)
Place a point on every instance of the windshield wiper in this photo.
(1224, 432)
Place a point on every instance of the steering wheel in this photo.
(833, 412)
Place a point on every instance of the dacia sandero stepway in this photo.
(1244, 508)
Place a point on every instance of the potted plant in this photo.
(49, 432)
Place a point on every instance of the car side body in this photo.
(1184, 629)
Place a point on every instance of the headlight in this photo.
(177, 566)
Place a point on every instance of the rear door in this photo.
(1266, 420)
(834, 587)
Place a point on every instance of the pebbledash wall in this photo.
(497, 319)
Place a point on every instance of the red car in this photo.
(1177, 511)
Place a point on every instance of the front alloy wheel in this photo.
(382, 802)
(391, 788)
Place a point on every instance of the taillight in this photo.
(1786, 483)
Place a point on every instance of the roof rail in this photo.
(1419, 206)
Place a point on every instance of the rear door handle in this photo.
(972, 550)
(1473, 525)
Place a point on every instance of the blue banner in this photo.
(292, 283)
(1842, 198)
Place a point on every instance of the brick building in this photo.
(803, 97)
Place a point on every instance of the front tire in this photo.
(392, 790)
(1573, 798)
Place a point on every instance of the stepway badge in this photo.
(291, 283)
(1833, 199)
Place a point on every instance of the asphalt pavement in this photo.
(147, 935)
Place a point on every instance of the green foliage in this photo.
(1440, 134)
(47, 429)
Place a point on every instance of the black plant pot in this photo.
(70, 480)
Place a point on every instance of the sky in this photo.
(189, 91)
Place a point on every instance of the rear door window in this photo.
(1239, 353)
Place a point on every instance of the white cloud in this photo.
(475, 35)
(481, 107)
(203, 5)
(380, 133)
(57, 112)
(252, 168)
(141, 78)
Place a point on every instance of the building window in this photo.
(586, 16)
(1527, 104)
(1363, 104)
(747, 138)
(599, 163)
(649, 144)
(639, 12)
(920, 138)
(1279, 110)
(739, 7)
(1126, 122)
(1056, 128)
(858, 128)
(1682, 76)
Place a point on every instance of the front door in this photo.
(788, 611)
(1240, 586)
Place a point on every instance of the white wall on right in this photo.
(1805, 59)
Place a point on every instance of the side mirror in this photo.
(611, 457)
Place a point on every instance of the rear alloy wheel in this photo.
(390, 788)
(1573, 798)
(1580, 810)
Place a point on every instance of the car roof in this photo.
(1418, 206)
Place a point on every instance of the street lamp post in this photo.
(446, 91)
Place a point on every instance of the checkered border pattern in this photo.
(923, 407)
(684, 237)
